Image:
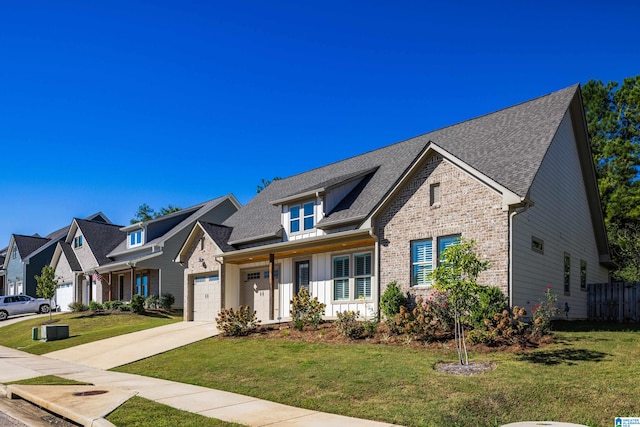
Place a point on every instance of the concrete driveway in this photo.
(21, 317)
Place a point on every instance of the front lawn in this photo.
(587, 377)
(83, 328)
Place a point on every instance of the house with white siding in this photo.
(520, 182)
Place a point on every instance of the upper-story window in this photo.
(135, 238)
(14, 253)
(301, 217)
(77, 242)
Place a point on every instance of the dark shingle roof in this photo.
(101, 237)
(219, 233)
(28, 244)
(71, 256)
(508, 146)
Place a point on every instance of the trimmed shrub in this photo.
(306, 310)
(137, 304)
(152, 302)
(506, 327)
(167, 300)
(348, 325)
(78, 306)
(391, 300)
(491, 300)
(95, 306)
(237, 323)
(543, 313)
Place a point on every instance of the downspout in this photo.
(516, 211)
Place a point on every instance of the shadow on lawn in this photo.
(568, 356)
(594, 326)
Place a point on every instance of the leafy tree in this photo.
(265, 183)
(613, 121)
(46, 285)
(457, 275)
(147, 213)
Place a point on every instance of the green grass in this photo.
(48, 380)
(139, 412)
(587, 377)
(83, 328)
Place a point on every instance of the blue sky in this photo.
(108, 105)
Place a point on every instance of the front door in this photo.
(302, 275)
(255, 291)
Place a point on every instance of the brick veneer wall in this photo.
(467, 207)
(193, 266)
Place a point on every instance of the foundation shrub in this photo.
(95, 306)
(237, 323)
(152, 302)
(391, 300)
(167, 300)
(78, 306)
(137, 304)
(349, 326)
(306, 310)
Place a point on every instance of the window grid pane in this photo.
(422, 262)
(341, 289)
(363, 287)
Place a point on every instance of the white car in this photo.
(20, 304)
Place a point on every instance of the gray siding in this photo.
(561, 218)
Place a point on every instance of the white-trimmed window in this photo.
(421, 262)
(362, 263)
(341, 278)
(422, 258)
(301, 217)
(77, 242)
(434, 194)
(135, 238)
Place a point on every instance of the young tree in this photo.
(457, 275)
(46, 285)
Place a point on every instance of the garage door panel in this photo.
(64, 296)
(206, 298)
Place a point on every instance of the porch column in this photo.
(110, 286)
(133, 278)
(272, 279)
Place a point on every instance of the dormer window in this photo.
(135, 238)
(301, 215)
(77, 242)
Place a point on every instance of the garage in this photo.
(255, 291)
(64, 296)
(206, 297)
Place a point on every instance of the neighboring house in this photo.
(142, 262)
(3, 255)
(26, 255)
(520, 182)
(76, 258)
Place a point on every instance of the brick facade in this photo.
(467, 207)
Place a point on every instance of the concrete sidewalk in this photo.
(16, 365)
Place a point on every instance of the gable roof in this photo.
(219, 234)
(190, 214)
(71, 256)
(507, 146)
(28, 244)
(100, 237)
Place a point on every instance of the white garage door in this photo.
(206, 297)
(64, 296)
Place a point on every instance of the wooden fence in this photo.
(617, 301)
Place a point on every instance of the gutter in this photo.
(518, 210)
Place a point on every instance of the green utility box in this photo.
(55, 332)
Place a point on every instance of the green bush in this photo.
(78, 306)
(137, 304)
(391, 300)
(237, 323)
(371, 327)
(348, 325)
(306, 310)
(95, 306)
(167, 300)
(506, 327)
(490, 300)
(152, 302)
(543, 313)
(124, 307)
(116, 305)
